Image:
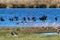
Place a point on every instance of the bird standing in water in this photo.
(55, 18)
(43, 18)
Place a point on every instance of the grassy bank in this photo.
(29, 37)
(5, 34)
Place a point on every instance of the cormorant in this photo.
(56, 18)
(43, 18)
(1, 19)
(33, 18)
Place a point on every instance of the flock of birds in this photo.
(43, 18)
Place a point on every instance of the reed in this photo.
(30, 4)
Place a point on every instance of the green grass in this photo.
(8, 36)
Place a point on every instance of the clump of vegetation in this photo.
(35, 29)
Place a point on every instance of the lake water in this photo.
(29, 12)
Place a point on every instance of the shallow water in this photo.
(49, 33)
(29, 12)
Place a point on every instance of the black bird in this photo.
(33, 18)
(1, 19)
(28, 18)
(23, 22)
(18, 23)
(56, 18)
(43, 18)
(11, 19)
(16, 18)
(24, 18)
